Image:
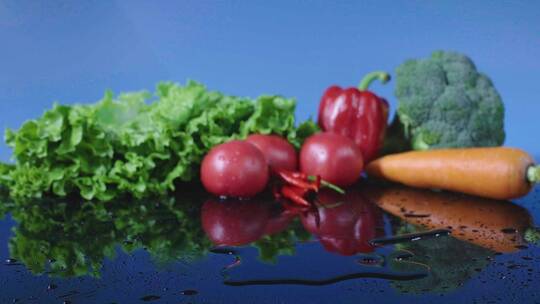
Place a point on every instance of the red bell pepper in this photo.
(357, 114)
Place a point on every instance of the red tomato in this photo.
(279, 153)
(236, 168)
(234, 222)
(344, 223)
(336, 158)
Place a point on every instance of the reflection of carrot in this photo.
(497, 225)
(499, 173)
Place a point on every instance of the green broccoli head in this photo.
(445, 102)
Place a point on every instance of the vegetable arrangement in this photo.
(146, 146)
(137, 144)
(140, 144)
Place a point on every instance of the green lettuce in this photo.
(137, 144)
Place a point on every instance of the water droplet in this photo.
(515, 266)
(369, 260)
(223, 250)
(189, 292)
(509, 230)
(150, 298)
(414, 215)
(412, 237)
(403, 256)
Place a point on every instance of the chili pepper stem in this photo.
(370, 77)
(327, 184)
(533, 174)
(532, 235)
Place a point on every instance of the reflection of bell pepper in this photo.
(356, 113)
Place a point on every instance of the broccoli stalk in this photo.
(443, 101)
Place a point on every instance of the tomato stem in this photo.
(327, 184)
(533, 174)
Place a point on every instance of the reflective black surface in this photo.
(191, 248)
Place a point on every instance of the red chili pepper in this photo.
(299, 179)
(357, 114)
(299, 188)
(296, 195)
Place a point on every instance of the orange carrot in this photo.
(498, 173)
(497, 225)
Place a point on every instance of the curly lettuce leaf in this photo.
(137, 144)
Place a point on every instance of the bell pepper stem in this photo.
(369, 78)
(532, 235)
(533, 174)
(327, 185)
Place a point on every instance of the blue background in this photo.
(73, 51)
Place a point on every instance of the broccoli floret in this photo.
(445, 102)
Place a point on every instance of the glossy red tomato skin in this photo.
(234, 169)
(234, 222)
(336, 158)
(279, 153)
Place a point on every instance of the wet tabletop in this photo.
(192, 248)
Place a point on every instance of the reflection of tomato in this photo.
(344, 223)
(279, 220)
(234, 222)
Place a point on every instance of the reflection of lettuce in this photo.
(136, 143)
(77, 236)
(5, 170)
(452, 262)
(5, 201)
(282, 243)
(71, 237)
